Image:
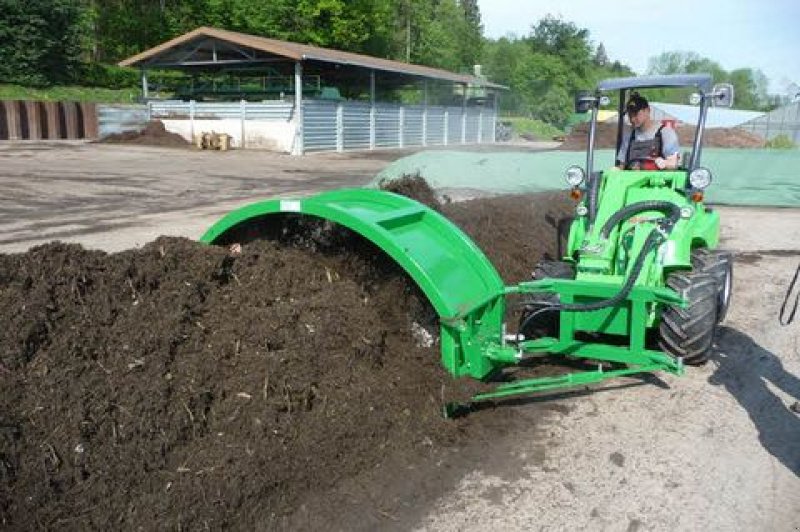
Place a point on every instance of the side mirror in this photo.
(722, 95)
(584, 101)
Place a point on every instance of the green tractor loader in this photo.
(640, 288)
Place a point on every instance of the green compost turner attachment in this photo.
(468, 294)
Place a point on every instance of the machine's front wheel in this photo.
(689, 332)
(720, 265)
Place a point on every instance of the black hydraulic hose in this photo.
(667, 207)
(654, 239)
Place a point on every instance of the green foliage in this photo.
(110, 76)
(60, 42)
(781, 142)
(530, 126)
(69, 93)
(41, 41)
(749, 85)
(545, 69)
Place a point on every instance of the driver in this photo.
(646, 146)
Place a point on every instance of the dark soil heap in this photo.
(154, 134)
(184, 386)
(606, 137)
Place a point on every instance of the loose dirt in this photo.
(189, 386)
(154, 134)
(606, 137)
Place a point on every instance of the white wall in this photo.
(269, 135)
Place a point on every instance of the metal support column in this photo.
(243, 116)
(372, 109)
(191, 119)
(401, 125)
(446, 129)
(464, 115)
(145, 92)
(496, 101)
(425, 114)
(297, 149)
(339, 127)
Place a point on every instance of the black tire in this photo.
(553, 269)
(720, 265)
(547, 323)
(689, 333)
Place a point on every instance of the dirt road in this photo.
(717, 449)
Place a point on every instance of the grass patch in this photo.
(70, 93)
(530, 126)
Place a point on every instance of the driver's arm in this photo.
(623, 149)
(667, 163)
(670, 150)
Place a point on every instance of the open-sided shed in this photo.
(299, 98)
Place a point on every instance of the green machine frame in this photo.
(631, 230)
(469, 296)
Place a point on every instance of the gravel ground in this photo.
(716, 449)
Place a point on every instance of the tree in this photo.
(41, 41)
(554, 36)
(750, 86)
(600, 56)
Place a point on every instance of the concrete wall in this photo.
(261, 134)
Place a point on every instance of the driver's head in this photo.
(638, 109)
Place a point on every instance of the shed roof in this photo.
(173, 54)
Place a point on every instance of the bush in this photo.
(781, 142)
(531, 126)
(109, 76)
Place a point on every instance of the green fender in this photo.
(462, 285)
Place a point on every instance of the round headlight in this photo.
(581, 210)
(575, 176)
(700, 178)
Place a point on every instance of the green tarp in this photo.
(741, 177)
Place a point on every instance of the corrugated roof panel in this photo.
(717, 116)
(297, 52)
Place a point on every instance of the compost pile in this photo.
(189, 386)
(606, 137)
(153, 134)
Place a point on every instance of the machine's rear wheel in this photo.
(689, 332)
(547, 323)
(720, 265)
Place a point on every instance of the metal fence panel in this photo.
(473, 125)
(454, 125)
(387, 126)
(488, 126)
(327, 125)
(355, 117)
(271, 111)
(413, 126)
(120, 118)
(434, 132)
(319, 125)
(170, 109)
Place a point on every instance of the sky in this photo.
(759, 34)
